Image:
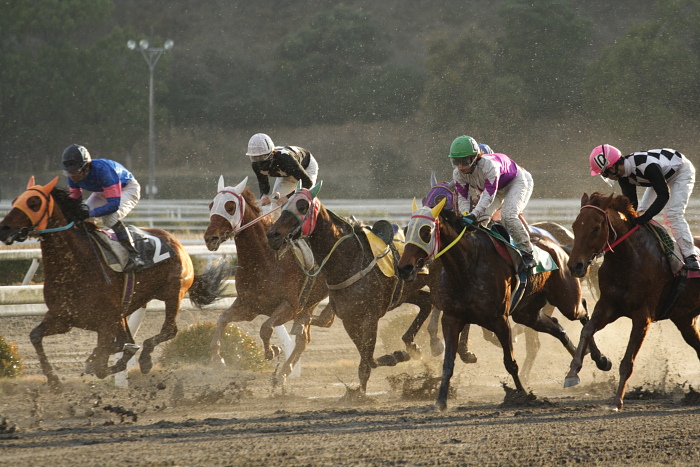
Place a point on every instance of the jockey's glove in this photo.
(83, 213)
(470, 222)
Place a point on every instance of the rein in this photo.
(616, 241)
(55, 229)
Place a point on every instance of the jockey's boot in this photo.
(124, 237)
(691, 263)
(529, 261)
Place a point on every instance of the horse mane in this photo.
(69, 206)
(618, 202)
(249, 198)
(453, 219)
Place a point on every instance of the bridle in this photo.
(433, 247)
(608, 246)
(39, 218)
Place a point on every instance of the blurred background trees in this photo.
(376, 90)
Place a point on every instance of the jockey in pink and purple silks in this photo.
(115, 192)
(503, 184)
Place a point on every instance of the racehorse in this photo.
(636, 280)
(477, 285)
(264, 285)
(81, 291)
(358, 291)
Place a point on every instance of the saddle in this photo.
(509, 252)
(151, 248)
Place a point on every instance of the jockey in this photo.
(288, 163)
(668, 177)
(503, 184)
(115, 193)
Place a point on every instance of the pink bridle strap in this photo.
(608, 246)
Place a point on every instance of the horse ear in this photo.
(31, 182)
(607, 201)
(298, 187)
(49, 186)
(433, 179)
(221, 184)
(415, 205)
(241, 186)
(584, 200)
(315, 189)
(436, 210)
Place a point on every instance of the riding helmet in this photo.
(259, 145)
(464, 146)
(75, 157)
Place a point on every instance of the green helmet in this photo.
(464, 146)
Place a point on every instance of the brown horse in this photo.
(81, 291)
(477, 284)
(358, 291)
(265, 286)
(635, 281)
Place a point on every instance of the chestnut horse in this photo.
(635, 281)
(358, 291)
(477, 284)
(264, 285)
(82, 292)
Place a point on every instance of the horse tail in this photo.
(208, 286)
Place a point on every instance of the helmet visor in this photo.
(462, 161)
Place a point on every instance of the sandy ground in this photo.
(202, 416)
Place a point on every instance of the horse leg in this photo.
(167, 332)
(360, 332)
(639, 332)
(422, 299)
(451, 329)
(301, 342)
(532, 348)
(436, 345)
(127, 351)
(325, 319)
(602, 316)
(462, 349)
(236, 312)
(48, 327)
(281, 315)
(689, 331)
(502, 329)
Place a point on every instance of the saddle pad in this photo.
(386, 263)
(512, 255)
(670, 249)
(151, 248)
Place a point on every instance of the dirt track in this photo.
(198, 416)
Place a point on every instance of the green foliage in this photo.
(543, 45)
(192, 346)
(642, 82)
(334, 69)
(11, 363)
(463, 87)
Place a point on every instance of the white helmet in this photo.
(260, 144)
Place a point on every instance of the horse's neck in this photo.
(251, 244)
(347, 255)
(461, 257)
(65, 249)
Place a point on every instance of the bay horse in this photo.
(82, 292)
(264, 285)
(477, 284)
(358, 291)
(635, 281)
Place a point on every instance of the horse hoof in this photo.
(468, 357)
(89, 368)
(55, 385)
(146, 367)
(571, 381)
(413, 350)
(604, 364)
(440, 406)
(436, 347)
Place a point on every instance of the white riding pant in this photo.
(285, 185)
(131, 194)
(680, 186)
(512, 200)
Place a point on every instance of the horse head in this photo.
(30, 212)
(226, 213)
(438, 192)
(422, 239)
(601, 220)
(298, 217)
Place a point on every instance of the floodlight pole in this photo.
(151, 55)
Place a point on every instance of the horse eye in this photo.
(34, 203)
(302, 206)
(230, 207)
(424, 233)
(596, 228)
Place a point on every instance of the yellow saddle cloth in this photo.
(386, 262)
